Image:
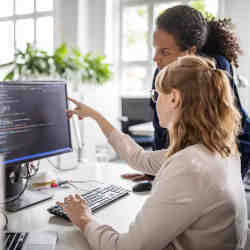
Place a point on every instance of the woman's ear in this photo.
(175, 98)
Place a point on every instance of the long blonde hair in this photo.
(208, 112)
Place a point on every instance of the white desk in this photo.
(146, 129)
(119, 214)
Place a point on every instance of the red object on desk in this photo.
(53, 185)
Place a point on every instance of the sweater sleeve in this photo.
(145, 161)
(170, 210)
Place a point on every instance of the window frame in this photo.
(147, 63)
(34, 16)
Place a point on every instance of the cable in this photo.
(6, 220)
(77, 188)
(34, 168)
(82, 189)
(27, 178)
(18, 195)
(88, 181)
(30, 167)
(53, 165)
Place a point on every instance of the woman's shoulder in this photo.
(197, 166)
(199, 160)
(189, 166)
(188, 158)
(191, 152)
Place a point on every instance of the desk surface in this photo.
(118, 214)
(146, 128)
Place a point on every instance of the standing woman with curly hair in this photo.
(198, 199)
(182, 30)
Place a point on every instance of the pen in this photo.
(41, 184)
(58, 184)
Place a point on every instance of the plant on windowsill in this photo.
(64, 63)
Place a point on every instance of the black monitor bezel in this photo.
(47, 82)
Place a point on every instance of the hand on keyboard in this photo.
(77, 210)
(96, 199)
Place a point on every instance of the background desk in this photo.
(146, 128)
(118, 214)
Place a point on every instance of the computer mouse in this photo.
(142, 187)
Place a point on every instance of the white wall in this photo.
(92, 37)
(96, 23)
(239, 12)
(66, 22)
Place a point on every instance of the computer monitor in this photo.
(33, 125)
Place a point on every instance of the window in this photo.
(25, 21)
(136, 31)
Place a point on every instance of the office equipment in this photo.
(96, 198)
(144, 129)
(143, 187)
(14, 240)
(119, 214)
(33, 126)
(136, 110)
(28, 241)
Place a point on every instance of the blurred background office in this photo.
(119, 29)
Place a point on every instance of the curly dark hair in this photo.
(222, 40)
(210, 37)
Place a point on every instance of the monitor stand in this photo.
(14, 185)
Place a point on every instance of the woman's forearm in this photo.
(104, 124)
(82, 110)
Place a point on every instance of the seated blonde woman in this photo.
(197, 201)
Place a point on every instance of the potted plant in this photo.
(64, 63)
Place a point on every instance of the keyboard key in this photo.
(14, 241)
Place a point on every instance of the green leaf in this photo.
(76, 52)
(62, 51)
(9, 76)
(201, 6)
(6, 64)
(66, 63)
(19, 68)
